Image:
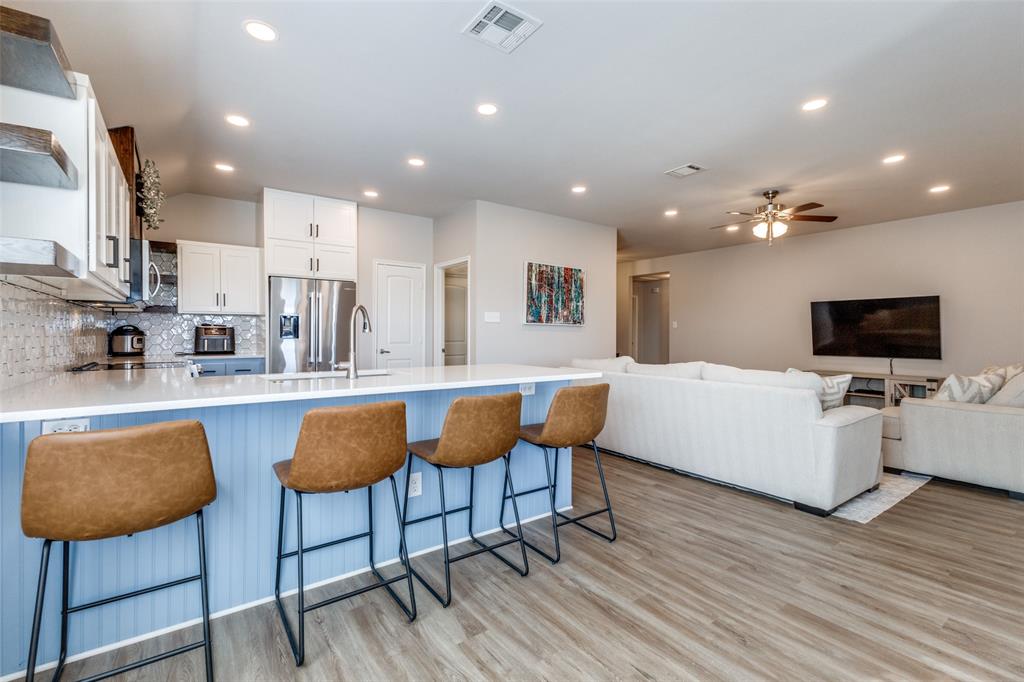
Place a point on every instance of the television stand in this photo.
(884, 390)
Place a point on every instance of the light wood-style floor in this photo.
(704, 583)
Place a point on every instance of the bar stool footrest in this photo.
(144, 662)
(577, 520)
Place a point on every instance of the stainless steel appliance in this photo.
(126, 340)
(308, 324)
(214, 338)
(145, 278)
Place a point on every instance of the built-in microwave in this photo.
(145, 274)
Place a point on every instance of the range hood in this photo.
(36, 257)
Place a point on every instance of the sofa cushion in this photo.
(833, 387)
(677, 370)
(1011, 394)
(603, 364)
(976, 389)
(761, 377)
(891, 423)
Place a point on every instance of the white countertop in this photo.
(87, 394)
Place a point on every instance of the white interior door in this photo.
(400, 319)
(456, 340)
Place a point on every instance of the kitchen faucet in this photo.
(367, 327)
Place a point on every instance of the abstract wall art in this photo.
(554, 294)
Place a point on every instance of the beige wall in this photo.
(507, 237)
(749, 305)
(203, 218)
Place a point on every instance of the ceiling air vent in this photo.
(684, 170)
(501, 26)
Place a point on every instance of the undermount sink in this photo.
(301, 376)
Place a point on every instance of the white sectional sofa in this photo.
(768, 439)
(981, 444)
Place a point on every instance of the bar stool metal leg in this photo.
(517, 537)
(550, 488)
(37, 617)
(205, 594)
(299, 647)
(607, 503)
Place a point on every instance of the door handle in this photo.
(311, 264)
(311, 229)
(312, 331)
(384, 352)
(116, 250)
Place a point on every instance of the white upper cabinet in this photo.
(288, 215)
(308, 236)
(334, 221)
(219, 278)
(91, 220)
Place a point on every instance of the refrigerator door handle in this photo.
(312, 329)
(319, 346)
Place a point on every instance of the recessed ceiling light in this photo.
(260, 30)
(939, 188)
(372, 193)
(224, 167)
(671, 212)
(895, 158)
(487, 109)
(814, 104)
(236, 120)
(579, 189)
(415, 161)
(732, 228)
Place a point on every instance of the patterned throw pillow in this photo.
(1008, 372)
(830, 389)
(977, 389)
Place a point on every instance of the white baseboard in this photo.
(258, 602)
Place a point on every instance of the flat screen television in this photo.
(878, 328)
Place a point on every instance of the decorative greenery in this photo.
(151, 198)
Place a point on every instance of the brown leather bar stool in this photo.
(476, 431)
(341, 449)
(575, 418)
(105, 484)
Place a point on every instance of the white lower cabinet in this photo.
(335, 262)
(219, 278)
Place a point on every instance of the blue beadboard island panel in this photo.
(241, 525)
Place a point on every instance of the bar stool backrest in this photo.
(345, 448)
(103, 484)
(479, 429)
(576, 415)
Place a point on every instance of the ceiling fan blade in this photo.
(737, 222)
(811, 218)
(802, 207)
(738, 213)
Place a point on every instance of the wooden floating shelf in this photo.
(33, 156)
(31, 56)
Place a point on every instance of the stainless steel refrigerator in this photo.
(308, 324)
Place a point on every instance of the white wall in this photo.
(203, 218)
(386, 235)
(507, 237)
(749, 305)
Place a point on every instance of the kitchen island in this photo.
(251, 422)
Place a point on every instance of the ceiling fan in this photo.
(772, 218)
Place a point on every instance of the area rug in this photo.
(891, 490)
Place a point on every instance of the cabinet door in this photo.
(103, 239)
(334, 221)
(240, 280)
(245, 366)
(122, 222)
(212, 369)
(290, 259)
(288, 216)
(199, 289)
(335, 262)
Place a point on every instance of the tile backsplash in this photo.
(41, 335)
(169, 333)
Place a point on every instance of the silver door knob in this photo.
(384, 352)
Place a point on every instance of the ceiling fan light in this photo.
(761, 230)
(779, 228)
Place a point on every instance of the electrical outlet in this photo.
(66, 426)
(527, 389)
(415, 484)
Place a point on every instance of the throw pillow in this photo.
(603, 364)
(1008, 372)
(833, 387)
(761, 377)
(976, 389)
(676, 370)
(1011, 394)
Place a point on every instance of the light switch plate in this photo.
(415, 484)
(66, 425)
(492, 317)
(527, 389)
(675, 325)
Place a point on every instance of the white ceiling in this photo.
(608, 94)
